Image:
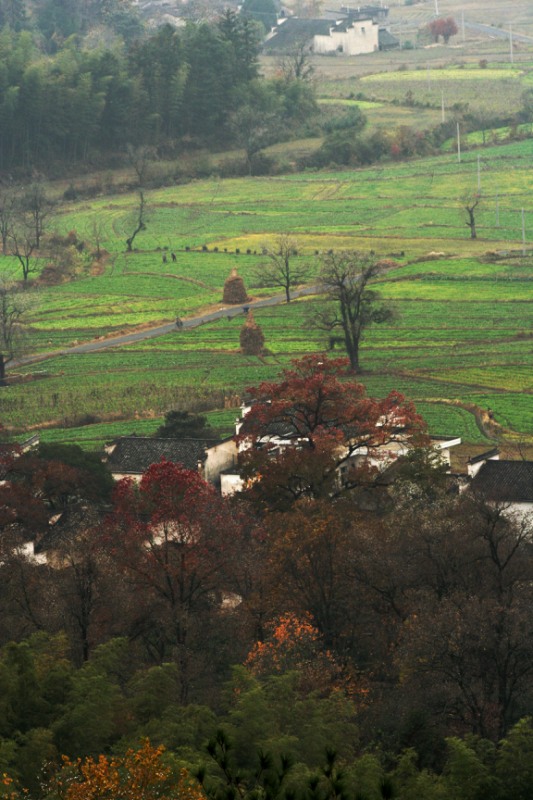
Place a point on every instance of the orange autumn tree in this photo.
(138, 775)
(8, 788)
(293, 643)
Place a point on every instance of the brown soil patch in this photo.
(99, 265)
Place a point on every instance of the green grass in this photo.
(495, 90)
(453, 73)
(462, 336)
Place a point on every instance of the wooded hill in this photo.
(197, 86)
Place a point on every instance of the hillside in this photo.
(460, 343)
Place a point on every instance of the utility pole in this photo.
(458, 144)
(523, 233)
(437, 7)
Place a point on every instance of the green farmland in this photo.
(461, 341)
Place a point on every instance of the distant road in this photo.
(497, 33)
(163, 330)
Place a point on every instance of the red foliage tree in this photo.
(443, 26)
(302, 435)
(174, 539)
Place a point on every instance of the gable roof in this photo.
(296, 31)
(484, 456)
(134, 454)
(386, 39)
(505, 481)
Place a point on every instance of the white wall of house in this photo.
(27, 551)
(360, 37)
(230, 483)
(522, 512)
(218, 458)
(475, 465)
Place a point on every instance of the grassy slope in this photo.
(463, 332)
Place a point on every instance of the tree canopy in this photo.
(302, 433)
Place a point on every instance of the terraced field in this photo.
(462, 339)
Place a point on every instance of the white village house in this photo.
(508, 484)
(130, 456)
(381, 457)
(348, 37)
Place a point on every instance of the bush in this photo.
(70, 193)
(261, 164)
(353, 119)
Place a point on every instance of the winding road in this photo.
(163, 330)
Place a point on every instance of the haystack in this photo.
(251, 337)
(234, 290)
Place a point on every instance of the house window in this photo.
(363, 30)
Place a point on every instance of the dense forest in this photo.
(63, 101)
(82, 83)
(358, 640)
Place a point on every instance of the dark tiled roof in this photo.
(505, 481)
(386, 39)
(72, 521)
(294, 31)
(134, 454)
(484, 456)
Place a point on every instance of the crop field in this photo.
(495, 90)
(461, 341)
(383, 115)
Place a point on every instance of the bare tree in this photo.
(140, 157)
(35, 207)
(350, 306)
(23, 245)
(470, 208)
(282, 269)
(14, 307)
(140, 223)
(296, 64)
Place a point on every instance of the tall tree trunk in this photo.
(352, 349)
